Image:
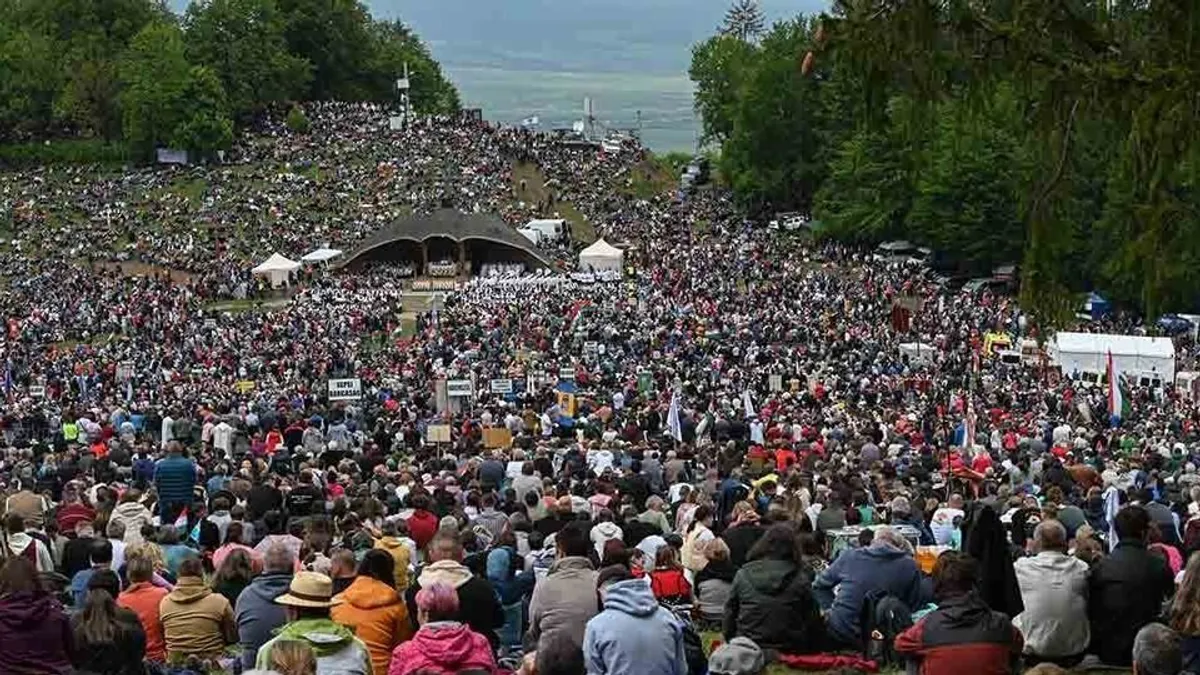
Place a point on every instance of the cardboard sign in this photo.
(438, 433)
(497, 437)
(246, 386)
(346, 389)
(501, 386)
(460, 388)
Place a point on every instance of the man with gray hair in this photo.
(1157, 650)
(1054, 591)
(902, 514)
(257, 614)
(886, 566)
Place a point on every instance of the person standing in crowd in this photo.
(256, 612)
(390, 542)
(373, 608)
(886, 567)
(565, 599)
(108, 639)
(174, 479)
(962, 635)
(632, 634)
(1054, 589)
(1126, 589)
(307, 603)
(143, 598)
(443, 644)
(35, 634)
(196, 621)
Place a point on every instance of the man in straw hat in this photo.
(309, 597)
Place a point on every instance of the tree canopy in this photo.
(131, 70)
(1058, 135)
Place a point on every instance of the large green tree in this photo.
(243, 43)
(772, 153)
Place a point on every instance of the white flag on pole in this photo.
(748, 404)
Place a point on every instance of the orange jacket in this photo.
(143, 599)
(377, 615)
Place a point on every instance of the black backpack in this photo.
(883, 617)
(693, 650)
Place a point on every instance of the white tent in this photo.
(1132, 355)
(276, 268)
(322, 254)
(601, 257)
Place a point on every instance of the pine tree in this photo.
(744, 20)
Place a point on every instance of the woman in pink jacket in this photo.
(443, 645)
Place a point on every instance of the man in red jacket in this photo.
(962, 635)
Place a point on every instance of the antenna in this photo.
(589, 118)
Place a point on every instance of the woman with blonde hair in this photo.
(293, 657)
(1185, 614)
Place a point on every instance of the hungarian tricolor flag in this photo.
(1118, 406)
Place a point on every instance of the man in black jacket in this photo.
(477, 603)
(1127, 589)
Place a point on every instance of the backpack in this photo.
(882, 618)
(693, 650)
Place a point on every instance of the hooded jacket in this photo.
(857, 572)
(377, 615)
(445, 648)
(633, 635)
(35, 635)
(602, 533)
(562, 603)
(1054, 589)
(478, 606)
(133, 515)
(962, 636)
(771, 602)
(398, 549)
(257, 614)
(338, 651)
(196, 621)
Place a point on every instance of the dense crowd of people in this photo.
(726, 441)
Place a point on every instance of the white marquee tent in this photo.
(323, 254)
(601, 257)
(276, 268)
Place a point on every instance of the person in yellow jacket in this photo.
(400, 549)
(374, 610)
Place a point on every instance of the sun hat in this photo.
(309, 589)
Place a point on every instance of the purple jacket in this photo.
(35, 636)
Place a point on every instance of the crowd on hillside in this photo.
(726, 441)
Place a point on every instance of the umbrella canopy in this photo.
(322, 254)
(276, 268)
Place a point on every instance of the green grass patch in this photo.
(534, 180)
(191, 188)
(581, 229)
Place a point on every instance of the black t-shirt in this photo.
(262, 498)
(300, 500)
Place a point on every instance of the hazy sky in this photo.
(572, 35)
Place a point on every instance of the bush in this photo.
(297, 122)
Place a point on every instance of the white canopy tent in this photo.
(601, 257)
(323, 254)
(276, 268)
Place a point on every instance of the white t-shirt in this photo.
(942, 524)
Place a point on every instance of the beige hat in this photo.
(309, 589)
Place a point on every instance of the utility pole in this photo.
(402, 87)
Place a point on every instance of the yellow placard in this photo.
(246, 386)
(438, 433)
